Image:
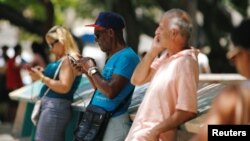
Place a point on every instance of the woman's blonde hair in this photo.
(63, 35)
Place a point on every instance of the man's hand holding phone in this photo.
(75, 63)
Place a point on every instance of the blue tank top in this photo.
(49, 71)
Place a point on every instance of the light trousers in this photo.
(117, 128)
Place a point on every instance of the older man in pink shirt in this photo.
(171, 96)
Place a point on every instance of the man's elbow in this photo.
(136, 81)
(133, 81)
(184, 116)
(189, 116)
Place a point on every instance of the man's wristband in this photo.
(92, 71)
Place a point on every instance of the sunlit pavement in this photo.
(6, 135)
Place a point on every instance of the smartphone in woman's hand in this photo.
(28, 67)
(74, 62)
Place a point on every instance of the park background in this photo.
(213, 22)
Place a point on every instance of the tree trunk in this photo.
(127, 10)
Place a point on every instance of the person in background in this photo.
(232, 105)
(13, 68)
(203, 63)
(13, 79)
(203, 60)
(40, 57)
(113, 84)
(172, 92)
(4, 98)
(3, 58)
(4, 52)
(56, 105)
(239, 54)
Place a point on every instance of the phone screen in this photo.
(72, 59)
(28, 67)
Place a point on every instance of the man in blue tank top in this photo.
(112, 84)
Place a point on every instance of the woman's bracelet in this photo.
(42, 79)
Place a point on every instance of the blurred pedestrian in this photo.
(40, 57)
(14, 65)
(171, 97)
(3, 89)
(239, 54)
(4, 52)
(4, 99)
(13, 79)
(232, 105)
(203, 61)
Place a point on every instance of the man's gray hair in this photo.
(180, 19)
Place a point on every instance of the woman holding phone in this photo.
(56, 104)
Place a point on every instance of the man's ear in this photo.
(174, 33)
(111, 32)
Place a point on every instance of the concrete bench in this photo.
(209, 86)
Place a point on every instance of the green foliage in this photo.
(29, 36)
(241, 6)
(64, 4)
(18, 4)
(89, 8)
(145, 3)
(30, 8)
(38, 12)
(217, 17)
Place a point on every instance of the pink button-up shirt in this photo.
(174, 86)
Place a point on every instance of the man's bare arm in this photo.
(143, 72)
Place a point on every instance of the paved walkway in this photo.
(6, 134)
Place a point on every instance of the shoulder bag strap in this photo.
(123, 102)
(120, 105)
(56, 73)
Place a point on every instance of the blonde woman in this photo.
(56, 104)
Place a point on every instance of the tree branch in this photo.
(17, 18)
(31, 25)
